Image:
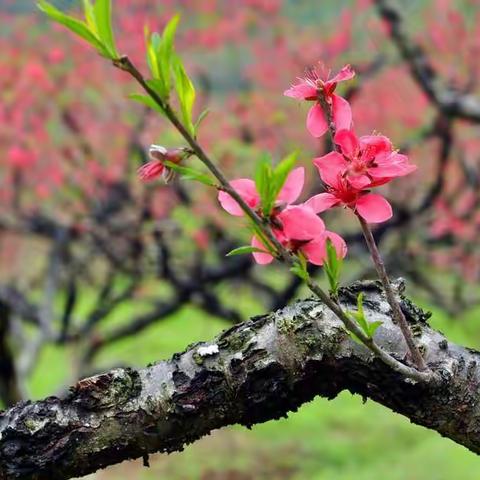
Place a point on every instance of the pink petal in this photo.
(348, 142)
(301, 223)
(301, 91)
(346, 73)
(316, 250)
(359, 181)
(292, 188)
(393, 165)
(338, 243)
(150, 170)
(373, 208)
(330, 166)
(247, 190)
(376, 144)
(316, 122)
(342, 113)
(259, 257)
(321, 202)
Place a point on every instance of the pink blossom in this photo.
(296, 227)
(301, 230)
(151, 170)
(317, 84)
(156, 166)
(373, 208)
(246, 189)
(368, 161)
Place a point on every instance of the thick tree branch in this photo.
(251, 373)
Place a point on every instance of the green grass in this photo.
(342, 439)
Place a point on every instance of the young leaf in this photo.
(151, 52)
(164, 49)
(332, 267)
(373, 326)
(190, 174)
(103, 17)
(186, 94)
(245, 249)
(264, 183)
(200, 119)
(299, 271)
(257, 231)
(90, 16)
(76, 26)
(281, 172)
(146, 100)
(359, 316)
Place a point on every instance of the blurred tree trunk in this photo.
(253, 372)
(9, 389)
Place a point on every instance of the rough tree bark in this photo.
(251, 373)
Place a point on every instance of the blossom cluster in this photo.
(349, 172)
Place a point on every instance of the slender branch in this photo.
(397, 311)
(125, 64)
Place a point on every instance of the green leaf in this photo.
(264, 183)
(186, 94)
(359, 316)
(151, 53)
(299, 271)
(373, 326)
(190, 174)
(332, 267)
(158, 87)
(200, 119)
(164, 49)
(258, 232)
(103, 18)
(146, 100)
(76, 26)
(281, 172)
(90, 16)
(245, 249)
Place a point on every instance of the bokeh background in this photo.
(98, 270)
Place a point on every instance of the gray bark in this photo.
(253, 372)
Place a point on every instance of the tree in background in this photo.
(113, 218)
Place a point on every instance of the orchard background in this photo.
(99, 270)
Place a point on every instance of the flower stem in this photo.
(398, 315)
(125, 64)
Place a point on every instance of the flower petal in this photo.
(150, 170)
(373, 208)
(316, 121)
(359, 182)
(338, 243)
(247, 190)
(392, 165)
(330, 166)
(348, 142)
(342, 113)
(316, 250)
(301, 223)
(321, 202)
(301, 91)
(259, 257)
(292, 188)
(376, 144)
(346, 73)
